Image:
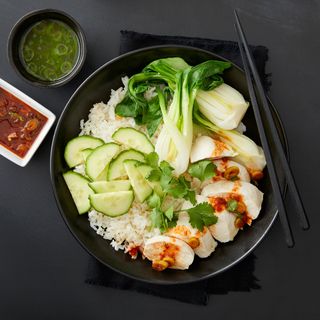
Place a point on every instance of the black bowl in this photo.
(97, 88)
(27, 21)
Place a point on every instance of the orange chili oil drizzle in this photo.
(20, 124)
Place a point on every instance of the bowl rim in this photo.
(52, 173)
(22, 162)
(82, 44)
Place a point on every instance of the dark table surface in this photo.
(43, 267)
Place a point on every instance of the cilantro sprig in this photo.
(200, 215)
(232, 206)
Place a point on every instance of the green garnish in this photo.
(203, 170)
(201, 215)
(232, 206)
(16, 115)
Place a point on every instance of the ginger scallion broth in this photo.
(49, 50)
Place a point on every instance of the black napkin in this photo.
(131, 40)
(238, 278)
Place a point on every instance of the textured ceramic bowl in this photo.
(97, 88)
(26, 22)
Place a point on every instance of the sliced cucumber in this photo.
(79, 189)
(86, 152)
(110, 186)
(103, 175)
(112, 204)
(140, 185)
(99, 158)
(72, 152)
(144, 169)
(116, 168)
(134, 139)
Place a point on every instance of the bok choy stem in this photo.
(250, 154)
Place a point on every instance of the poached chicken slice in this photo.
(159, 247)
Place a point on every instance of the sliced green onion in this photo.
(39, 28)
(27, 53)
(66, 67)
(32, 67)
(60, 49)
(50, 74)
(51, 62)
(57, 35)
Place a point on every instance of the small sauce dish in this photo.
(24, 123)
(46, 48)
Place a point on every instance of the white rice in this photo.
(131, 228)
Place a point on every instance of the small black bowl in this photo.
(18, 31)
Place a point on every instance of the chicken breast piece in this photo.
(184, 231)
(159, 247)
(250, 195)
(205, 147)
(224, 164)
(224, 230)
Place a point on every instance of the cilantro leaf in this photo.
(202, 215)
(153, 175)
(169, 212)
(165, 178)
(163, 220)
(232, 205)
(173, 222)
(185, 182)
(156, 218)
(153, 159)
(203, 170)
(153, 200)
(191, 196)
(164, 164)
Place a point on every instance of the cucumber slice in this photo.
(110, 186)
(144, 169)
(79, 189)
(140, 185)
(103, 175)
(99, 158)
(112, 204)
(134, 139)
(116, 168)
(72, 152)
(86, 152)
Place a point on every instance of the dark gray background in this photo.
(43, 268)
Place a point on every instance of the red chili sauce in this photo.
(20, 124)
(220, 204)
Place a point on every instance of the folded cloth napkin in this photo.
(131, 40)
(238, 278)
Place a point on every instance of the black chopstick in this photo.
(265, 146)
(292, 186)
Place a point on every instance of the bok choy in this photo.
(184, 81)
(250, 154)
(223, 106)
(174, 145)
(134, 104)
